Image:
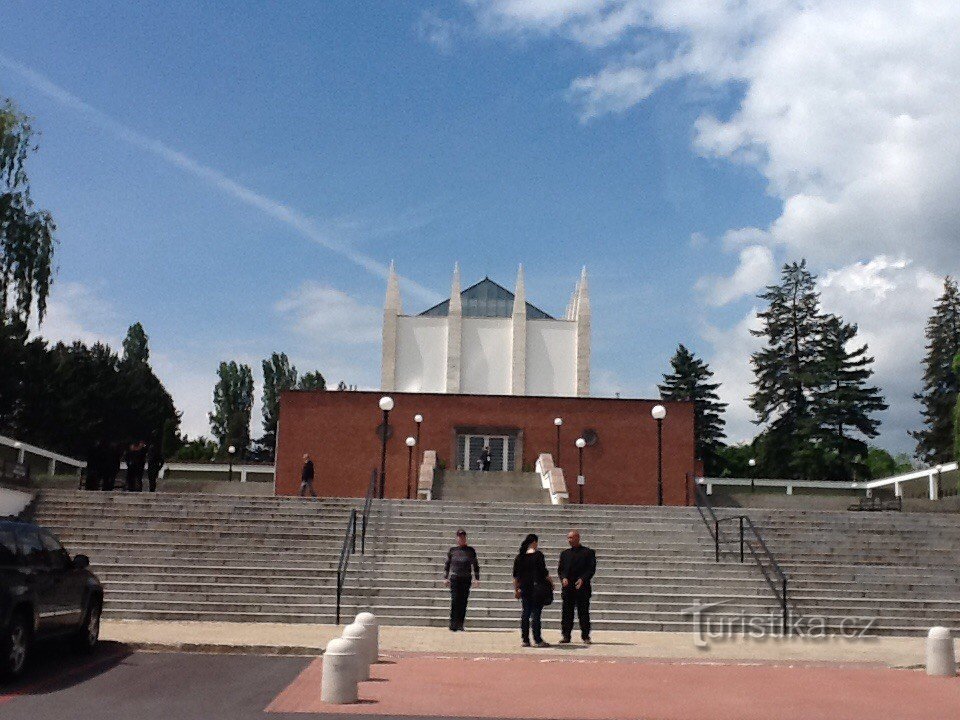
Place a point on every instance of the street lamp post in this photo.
(230, 451)
(581, 479)
(386, 404)
(752, 463)
(558, 422)
(418, 419)
(659, 412)
(411, 442)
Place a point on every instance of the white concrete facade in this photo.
(487, 348)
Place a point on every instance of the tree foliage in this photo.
(312, 381)
(233, 405)
(26, 233)
(689, 380)
(135, 348)
(811, 386)
(941, 381)
(956, 412)
(278, 375)
(67, 397)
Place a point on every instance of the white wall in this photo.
(551, 358)
(486, 356)
(421, 354)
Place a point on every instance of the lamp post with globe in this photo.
(752, 463)
(659, 412)
(230, 452)
(418, 419)
(558, 422)
(411, 443)
(386, 405)
(581, 478)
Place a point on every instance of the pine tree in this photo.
(689, 380)
(233, 404)
(278, 375)
(844, 405)
(941, 382)
(787, 372)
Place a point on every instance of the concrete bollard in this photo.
(941, 659)
(356, 634)
(369, 621)
(338, 684)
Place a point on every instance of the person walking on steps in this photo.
(533, 586)
(306, 476)
(578, 563)
(461, 565)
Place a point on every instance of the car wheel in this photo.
(16, 645)
(89, 633)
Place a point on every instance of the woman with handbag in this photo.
(533, 586)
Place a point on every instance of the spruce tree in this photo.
(135, 347)
(940, 381)
(787, 372)
(689, 380)
(844, 404)
(278, 375)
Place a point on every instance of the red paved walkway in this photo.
(542, 688)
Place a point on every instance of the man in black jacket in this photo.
(577, 565)
(461, 563)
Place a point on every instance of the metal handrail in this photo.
(346, 550)
(367, 502)
(349, 546)
(778, 587)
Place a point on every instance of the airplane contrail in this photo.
(274, 208)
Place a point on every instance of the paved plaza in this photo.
(120, 681)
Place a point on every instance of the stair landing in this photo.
(478, 486)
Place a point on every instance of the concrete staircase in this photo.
(476, 486)
(266, 559)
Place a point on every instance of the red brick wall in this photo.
(338, 430)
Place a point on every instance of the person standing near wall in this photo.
(578, 563)
(461, 565)
(306, 476)
(533, 586)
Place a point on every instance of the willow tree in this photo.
(26, 233)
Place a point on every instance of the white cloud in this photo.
(328, 315)
(437, 30)
(76, 311)
(755, 270)
(730, 362)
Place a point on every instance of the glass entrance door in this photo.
(501, 451)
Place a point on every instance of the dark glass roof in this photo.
(486, 299)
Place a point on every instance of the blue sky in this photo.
(489, 133)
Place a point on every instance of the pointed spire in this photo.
(456, 305)
(393, 302)
(520, 295)
(583, 294)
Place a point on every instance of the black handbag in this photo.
(543, 594)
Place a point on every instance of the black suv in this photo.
(43, 593)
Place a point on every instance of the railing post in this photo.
(783, 603)
(741, 538)
(716, 539)
(353, 530)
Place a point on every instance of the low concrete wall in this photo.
(170, 485)
(13, 501)
(822, 500)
